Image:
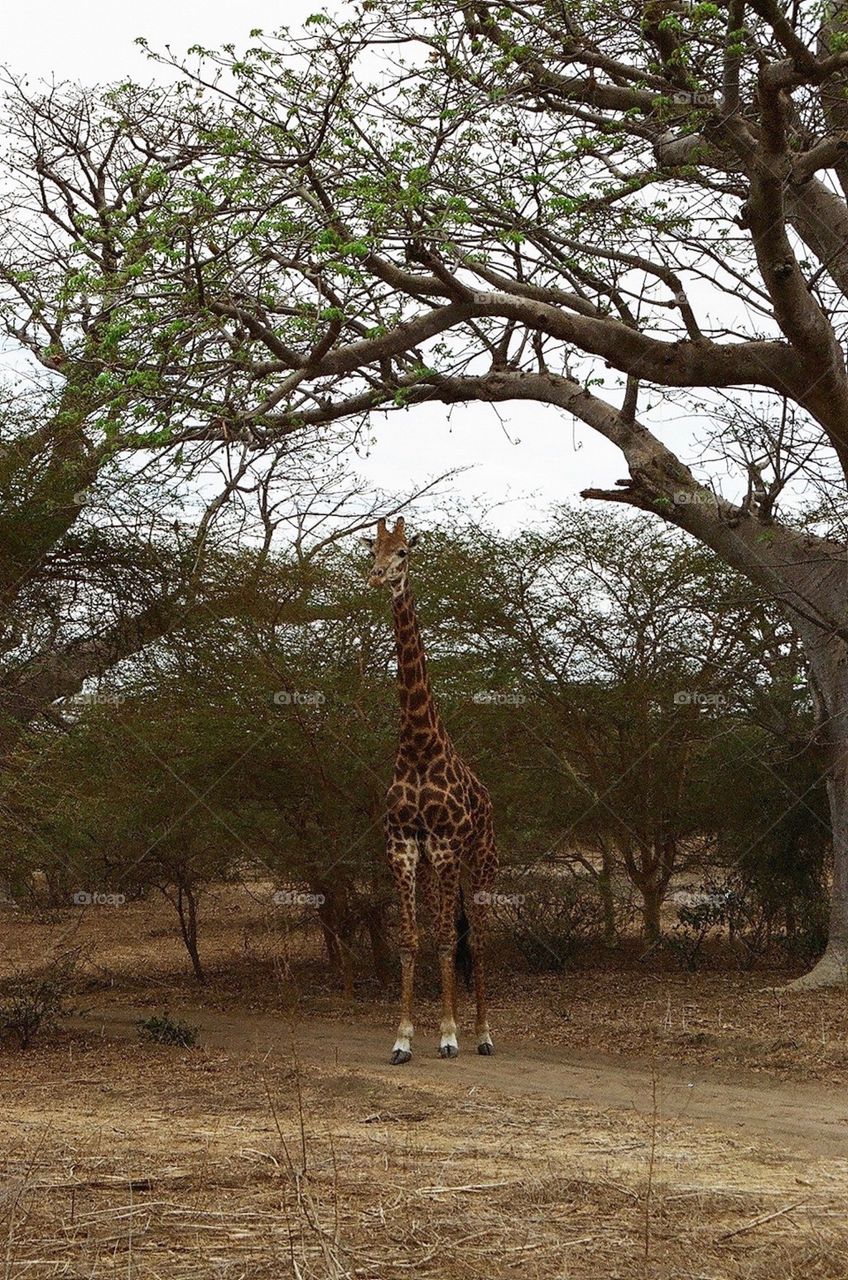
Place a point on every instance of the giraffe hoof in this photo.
(486, 1048)
(399, 1057)
(448, 1051)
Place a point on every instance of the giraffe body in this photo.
(439, 831)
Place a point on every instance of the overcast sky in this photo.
(529, 458)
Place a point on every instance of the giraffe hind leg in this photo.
(445, 863)
(403, 860)
(429, 889)
(482, 884)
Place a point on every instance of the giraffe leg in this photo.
(482, 881)
(427, 889)
(446, 865)
(403, 858)
(430, 894)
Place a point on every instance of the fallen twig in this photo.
(758, 1222)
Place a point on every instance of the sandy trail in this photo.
(811, 1118)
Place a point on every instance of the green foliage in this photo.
(606, 679)
(776, 838)
(163, 1029)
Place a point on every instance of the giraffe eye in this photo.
(401, 553)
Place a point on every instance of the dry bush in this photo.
(545, 918)
(32, 1003)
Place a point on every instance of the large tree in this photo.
(656, 678)
(108, 531)
(609, 212)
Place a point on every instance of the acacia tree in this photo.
(108, 534)
(646, 677)
(91, 575)
(90, 578)
(596, 210)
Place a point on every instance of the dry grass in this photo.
(146, 1162)
(262, 960)
(723, 1020)
(126, 1160)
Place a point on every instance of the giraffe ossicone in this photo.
(439, 832)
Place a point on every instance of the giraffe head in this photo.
(391, 555)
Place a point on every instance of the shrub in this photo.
(33, 1003)
(756, 920)
(163, 1029)
(546, 917)
(699, 914)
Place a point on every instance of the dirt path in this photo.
(801, 1117)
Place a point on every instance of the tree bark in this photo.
(187, 913)
(607, 899)
(831, 684)
(651, 907)
(375, 923)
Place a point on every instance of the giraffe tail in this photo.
(463, 961)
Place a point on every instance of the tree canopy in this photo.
(629, 216)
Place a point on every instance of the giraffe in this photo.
(438, 820)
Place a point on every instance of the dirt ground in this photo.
(638, 1122)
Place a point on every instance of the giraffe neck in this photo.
(418, 710)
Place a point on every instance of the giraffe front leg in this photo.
(403, 858)
(446, 867)
(402, 1047)
(448, 1043)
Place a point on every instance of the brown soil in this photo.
(632, 1124)
(802, 1118)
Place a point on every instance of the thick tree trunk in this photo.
(649, 864)
(830, 670)
(832, 969)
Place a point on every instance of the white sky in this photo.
(531, 457)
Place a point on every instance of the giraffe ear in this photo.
(370, 543)
(413, 541)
